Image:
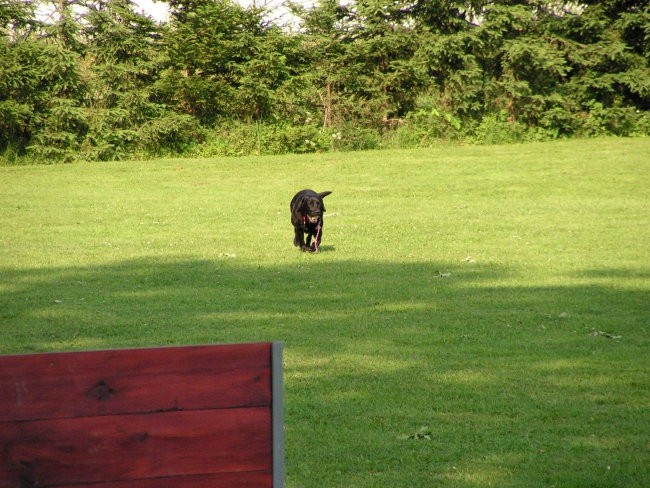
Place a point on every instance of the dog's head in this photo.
(313, 208)
(310, 205)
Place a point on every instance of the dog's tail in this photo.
(323, 194)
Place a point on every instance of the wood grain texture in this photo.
(179, 417)
(35, 386)
(122, 447)
(225, 480)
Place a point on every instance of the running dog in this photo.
(307, 219)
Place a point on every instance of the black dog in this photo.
(307, 218)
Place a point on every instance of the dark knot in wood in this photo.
(101, 391)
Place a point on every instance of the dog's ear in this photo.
(322, 195)
(303, 204)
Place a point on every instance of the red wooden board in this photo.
(56, 385)
(177, 417)
(225, 480)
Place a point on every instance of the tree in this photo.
(326, 39)
(362, 54)
(16, 82)
(605, 46)
(64, 24)
(554, 65)
(40, 89)
(224, 61)
(123, 62)
(99, 80)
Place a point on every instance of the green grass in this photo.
(479, 316)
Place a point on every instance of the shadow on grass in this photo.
(508, 385)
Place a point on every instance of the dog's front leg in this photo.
(308, 241)
(299, 238)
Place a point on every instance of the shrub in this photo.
(495, 128)
(172, 133)
(429, 123)
(349, 138)
(109, 145)
(285, 139)
(559, 122)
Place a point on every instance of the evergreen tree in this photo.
(327, 39)
(365, 72)
(225, 61)
(123, 63)
(94, 78)
(17, 76)
(40, 90)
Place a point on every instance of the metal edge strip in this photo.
(277, 406)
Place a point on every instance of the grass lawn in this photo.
(478, 316)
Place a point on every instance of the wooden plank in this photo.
(226, 480)
(59, 452)
(39, 386)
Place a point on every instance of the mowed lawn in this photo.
(478, 316)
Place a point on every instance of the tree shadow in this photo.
(511, 382)
(148, 301)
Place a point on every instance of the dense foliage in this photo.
(95, 79)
